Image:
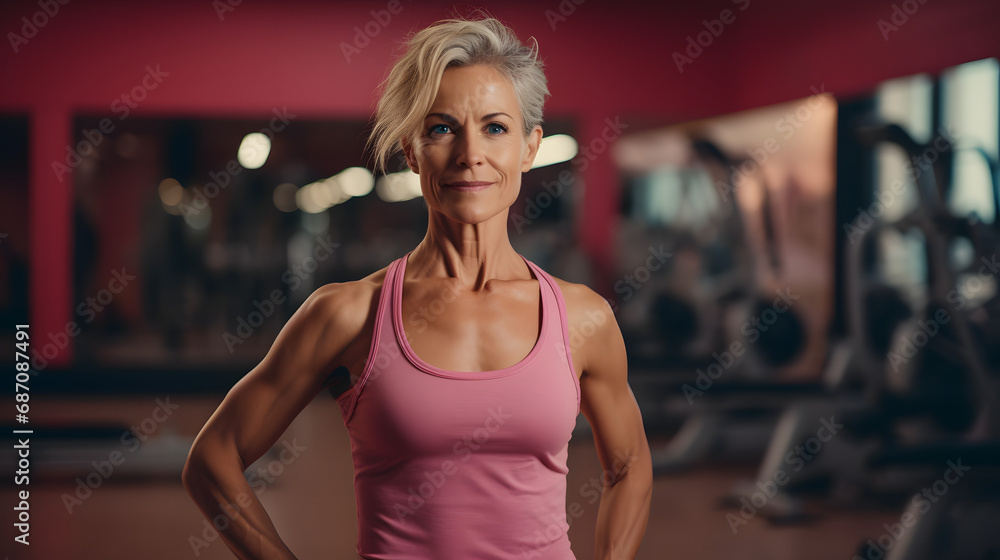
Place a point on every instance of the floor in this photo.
(310, 499)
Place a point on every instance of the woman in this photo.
(459, 416)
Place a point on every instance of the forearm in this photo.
(223, 495)
(624, 513)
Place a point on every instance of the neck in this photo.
(472, 253)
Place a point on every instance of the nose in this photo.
(469, 149)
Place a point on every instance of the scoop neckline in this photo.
(411, 355)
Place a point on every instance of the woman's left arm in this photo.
(609, 405)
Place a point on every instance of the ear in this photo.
(411, 160)
(534, 141)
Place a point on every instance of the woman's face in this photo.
(473, 133)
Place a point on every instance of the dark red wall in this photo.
(604, 60)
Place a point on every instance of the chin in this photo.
(470, 214)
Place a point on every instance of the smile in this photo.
(468, 186)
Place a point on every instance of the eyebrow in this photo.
(450, 119)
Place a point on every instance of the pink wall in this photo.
(607, 59)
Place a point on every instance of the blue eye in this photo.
(436, 126)
(500, 126)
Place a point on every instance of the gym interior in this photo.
(791, 207)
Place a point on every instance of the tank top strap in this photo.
(381, 334)
(557, 323)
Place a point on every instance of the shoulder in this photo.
(594, 335)
(589, 316)
(580, 298)
(344, 305)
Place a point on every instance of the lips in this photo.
(468, 185)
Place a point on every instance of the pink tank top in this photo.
(456, 465)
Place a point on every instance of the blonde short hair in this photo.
(409, 90)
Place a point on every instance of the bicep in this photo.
(261, 405)
(607, 400)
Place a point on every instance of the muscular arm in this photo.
(257, 410)
(611, 409)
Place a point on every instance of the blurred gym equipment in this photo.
(673, 314)
(742, 333)
(927, 379)
(709, 286)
